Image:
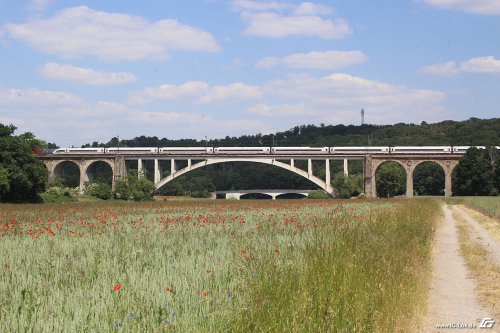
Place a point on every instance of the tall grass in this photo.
(486, 205)
(200, 267)
(366, 276)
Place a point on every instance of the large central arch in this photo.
(308, 175)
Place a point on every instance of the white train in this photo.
(281, 151)
(300, 150)
(242, 150)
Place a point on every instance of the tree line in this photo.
(23, 177)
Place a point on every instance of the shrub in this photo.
(122, 190)
(142, 190)
(60, 194)
(318, 194)
(98, 190)
(201, 194)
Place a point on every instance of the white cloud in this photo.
(40, 5)
(281, 19)
(485, 7)
(281, 110)
(443, 69)
(259, 6)
(198, 92)
(84, 75)
(277, 26)
(482, 65)
(309, 8)
(315, 60)
(336, 94)
(16, 98)
(235, 91)
(81, 31)
(478, 65)
(190, 89)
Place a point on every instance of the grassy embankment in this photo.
(203, 267)
(486, 273)
(487, 205)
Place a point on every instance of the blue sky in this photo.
(74, 72)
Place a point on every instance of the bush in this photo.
(201, 194)
(60, 194)
(318, 194)
(122, 190)
(142, 190)
(134, 188)
(98, 190)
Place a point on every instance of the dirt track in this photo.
(452, 296)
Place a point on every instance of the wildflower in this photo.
(174, 314)
(229, 295)
(131, 315)
(209, 271)
(244, 251)
(277, 251)
(168, 290)
(117, 287)
(205, 293)
(118, 324)
(166, 322)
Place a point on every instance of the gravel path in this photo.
(452, 299)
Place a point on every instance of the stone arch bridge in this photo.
(182, 164)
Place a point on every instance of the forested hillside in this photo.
(470, 132)
(429, 178)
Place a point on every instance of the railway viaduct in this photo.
(182, 164)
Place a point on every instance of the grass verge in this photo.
(486, 273)
(489, 206)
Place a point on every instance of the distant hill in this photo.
(472, 132)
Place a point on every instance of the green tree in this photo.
(133, 187)
(497, 176)
(142, 190)
(122, 190)
(23, 176)
(4, 182)
(428, 179)
(391, 180)
(346, 187)
(474, 174)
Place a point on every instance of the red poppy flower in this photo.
(277, 251)
(168, 290)
(244, 251)
(117, 287)
(209, 270)
(205, 293)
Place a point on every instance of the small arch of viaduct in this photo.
(83, 166)
(372, 163)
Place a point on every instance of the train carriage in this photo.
(300, 150)
(359, 150)
(186, 150)
(421, 149)
(242, 150)
(97, 150)
(132, 150)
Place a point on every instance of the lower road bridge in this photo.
(164, 168)
(272, 193)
